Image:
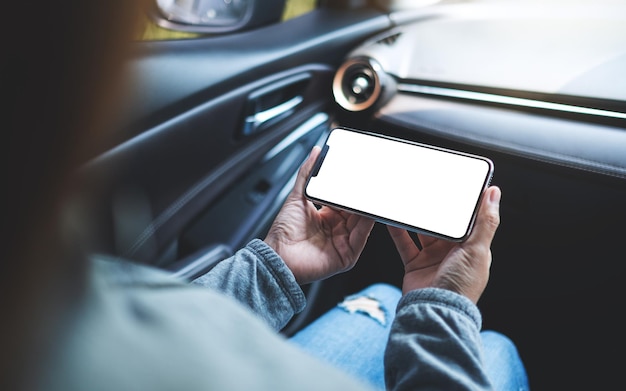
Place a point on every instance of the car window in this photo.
(149, 30)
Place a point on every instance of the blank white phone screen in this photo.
(426, 188)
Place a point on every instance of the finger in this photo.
(352, 219)
(305, 171)
(404, 243)
(360, 228)
(488, 218)
(426, 240)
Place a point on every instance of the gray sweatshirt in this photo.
(138, 328)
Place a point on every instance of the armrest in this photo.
(200, 262)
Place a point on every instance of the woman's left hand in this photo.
(316, 244)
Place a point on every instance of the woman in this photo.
(75, 322)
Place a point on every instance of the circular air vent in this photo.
(358, 83)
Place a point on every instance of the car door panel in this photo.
(186, 142)
(180, 166)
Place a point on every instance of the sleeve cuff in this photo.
(443, 298)
(281, 273)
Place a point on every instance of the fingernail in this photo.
(494, 196)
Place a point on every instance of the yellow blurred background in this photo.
(151, 31)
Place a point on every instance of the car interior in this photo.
(220, 118)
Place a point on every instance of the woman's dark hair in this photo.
(61, 66)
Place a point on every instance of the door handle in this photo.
(274, 102)
(256, 121)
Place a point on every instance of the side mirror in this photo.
(215, 16)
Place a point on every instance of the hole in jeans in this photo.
(365, 305)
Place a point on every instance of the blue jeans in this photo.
(355, 340)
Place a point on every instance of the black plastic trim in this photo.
(618, 108)
(584, 146)
(200, 262)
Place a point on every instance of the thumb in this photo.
(488, 218)
(305, 171)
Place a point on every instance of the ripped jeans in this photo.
(353, 335)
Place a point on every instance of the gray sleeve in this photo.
(257, 277)
(138, 328)
(435, 343)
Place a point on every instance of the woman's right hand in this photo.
(460, 267)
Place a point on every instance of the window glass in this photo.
(151, 31)
(295, 8)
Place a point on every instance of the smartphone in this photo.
(422, 188)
